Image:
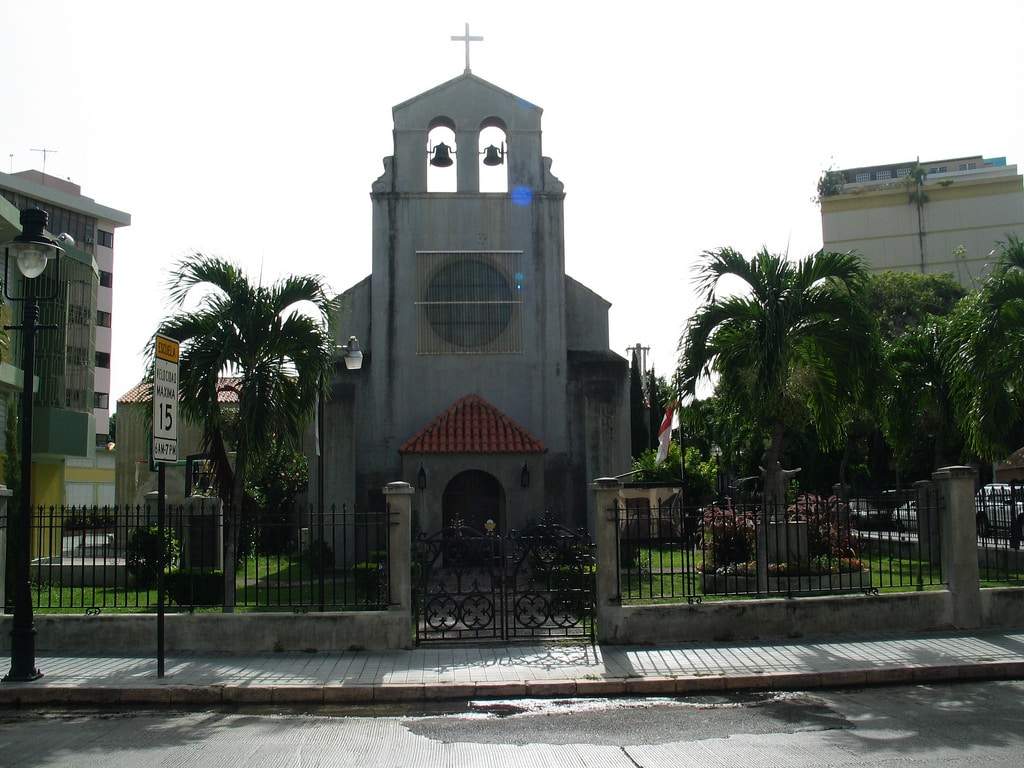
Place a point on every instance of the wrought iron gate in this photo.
(481, 585)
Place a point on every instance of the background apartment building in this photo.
(936, 216)
(70, 461)
(93, 226)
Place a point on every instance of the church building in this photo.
(487, 379)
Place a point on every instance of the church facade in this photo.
(487, 379)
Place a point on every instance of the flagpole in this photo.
(682, 444)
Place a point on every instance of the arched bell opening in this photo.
(493, 156)
(442, 156)
(476, 499)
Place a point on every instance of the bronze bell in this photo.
(494, 156)
(442, 156)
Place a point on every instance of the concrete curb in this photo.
(174, 694)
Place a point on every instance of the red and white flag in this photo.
(665, 432)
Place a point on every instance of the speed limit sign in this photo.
(165, 400)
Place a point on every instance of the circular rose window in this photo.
(469, 303)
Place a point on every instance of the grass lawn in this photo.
(263, 583)
(669, 574)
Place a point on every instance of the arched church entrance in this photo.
(473, 498)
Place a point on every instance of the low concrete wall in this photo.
(1002, 607)
(775, 619)
(135, 634)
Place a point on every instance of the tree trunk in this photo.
(232, 524)
(772, 476)
(844, 464)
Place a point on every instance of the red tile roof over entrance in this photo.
(472, 425)
(227, 391)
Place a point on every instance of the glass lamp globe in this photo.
(32, 257)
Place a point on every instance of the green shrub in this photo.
(142, 554)
(195, 587)
(573, 577)
(320, 556)
(368, 577)
(729, 538)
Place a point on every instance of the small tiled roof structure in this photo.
(1015, 459)
(472, 425)
(227, 391)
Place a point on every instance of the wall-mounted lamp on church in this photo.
(353, 354)
(494, 155)
(524, 476)
(441, 155)
(421, 479)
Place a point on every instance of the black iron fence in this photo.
(93, 559)
(999, 519)
(813, 545)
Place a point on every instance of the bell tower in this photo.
(466, 106)
(481, 355)
(468, 286)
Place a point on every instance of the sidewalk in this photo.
(433, 673)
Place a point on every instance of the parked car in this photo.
(868, 516)
(1000, 511)
(905, 516)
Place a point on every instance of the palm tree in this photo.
(917, 400)
(983, 356)
(280, 356)
(795, 342)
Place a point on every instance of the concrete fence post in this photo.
(606, 542)
(5, 497)
(960, 544)
(399, 500)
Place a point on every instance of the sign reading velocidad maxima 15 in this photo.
(165, 400)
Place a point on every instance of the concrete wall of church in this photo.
(586, 318)
(405, 390)
(354, 314)
(522, 505)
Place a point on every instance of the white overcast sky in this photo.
(253, 130)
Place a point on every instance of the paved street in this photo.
(938, 725)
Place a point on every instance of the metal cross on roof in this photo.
(467, 39)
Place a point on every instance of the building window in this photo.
(102, 318)
(863, 177)
(105, 238)
(901, 172)
(469, 302)
(886, 174)
(106, 279)
(102, 359)
(102, 440)
(101, 400)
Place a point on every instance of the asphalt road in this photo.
(937, 725)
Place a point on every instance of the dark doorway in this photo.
(472, 498)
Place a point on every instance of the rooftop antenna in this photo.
(45, 152)
(11, 158)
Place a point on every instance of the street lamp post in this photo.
(353, 357)
(32, 250)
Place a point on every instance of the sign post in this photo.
(165, 451)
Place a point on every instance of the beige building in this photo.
(134, 477)
(930, 217)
